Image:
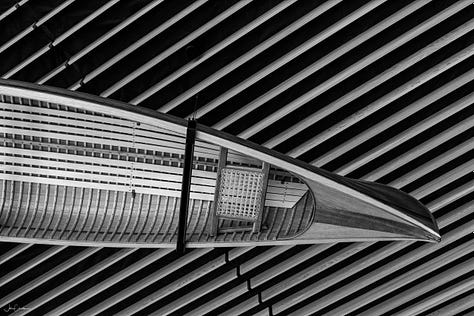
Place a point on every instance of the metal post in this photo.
(186, 186)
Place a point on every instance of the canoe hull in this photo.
(83, 170)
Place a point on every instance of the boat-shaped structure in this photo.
(77, 169)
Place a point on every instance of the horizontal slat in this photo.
(130, 131)
(93, 136)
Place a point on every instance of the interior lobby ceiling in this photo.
(375, 90)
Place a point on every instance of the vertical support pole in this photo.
(221, 164)
(258, 223)
(186, 186)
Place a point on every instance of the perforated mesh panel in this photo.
(240, 194)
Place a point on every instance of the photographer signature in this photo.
(14, 308)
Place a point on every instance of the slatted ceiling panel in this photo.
(446, 294)
(214, 50)
(309, 70)
(47, 37)
(201, 291)
(220, 300)
(452, 306)
(287, 57)
(16, 250)
(442, 278)
(339, 293)
(297, 76)
(242, 60)
(177, 46)
(129, 270)
(42, 278)
(78, 278)
(161, 273)
(8, 7)
(371, 58)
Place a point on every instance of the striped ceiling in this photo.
(377, 90)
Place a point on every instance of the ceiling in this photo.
(375, 90)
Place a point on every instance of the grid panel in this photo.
(240, 194)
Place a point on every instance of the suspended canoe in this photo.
(82, 170)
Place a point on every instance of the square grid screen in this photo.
(240, 194)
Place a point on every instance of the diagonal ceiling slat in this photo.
(11, 297)
(76, 280)
(198, 292)
(40, 22)
(159, 274)
(383, 271)
(30, 264)
(426, 286)
(250, 54)
(13, 252)
(446, 136)
(453, 308)
(212, 51)
(389, 73)
(441, 160)
(361, 64)
(397, 93)
(443, 295)
(182, 43)
(413, 131)
(176, 18)
(99, 41)
(267, 70)
(12, 9)
(318, 65)
(394, 119)
(59, 39)
(156, 255)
